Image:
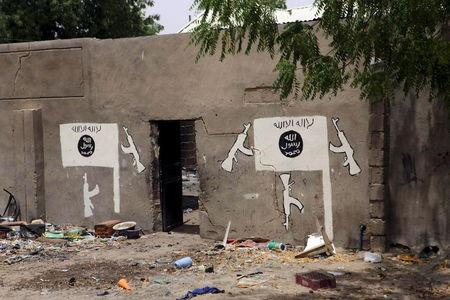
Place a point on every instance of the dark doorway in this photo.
(170, 174)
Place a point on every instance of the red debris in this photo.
(316, 280)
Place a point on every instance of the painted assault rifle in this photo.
(345, 147)
(131, 149)
(87, 195)
(227, 164)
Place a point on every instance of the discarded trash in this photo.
(428, 252)
(105, 293)
(123, 283)
(209, 269)
(185, 262)
(37, 221)
(124, 226)
(408, 258)
(317, 244)
(54, 234)
(105, 229)
(316, 280)
(249, 275)
(336, 274)
(37, 229)
(12, 209)
(4, 231)
(276, 246)
(225, 238)
(400, 247)
(201, 291)
(372, 257)
(246, 244)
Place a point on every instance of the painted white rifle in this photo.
(288, 200)
(87, 195)
(345, 148)
(131, 149)
(227, 164)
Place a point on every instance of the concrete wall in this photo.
(419, 205)
(130, 82)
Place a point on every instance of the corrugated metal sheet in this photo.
(302, 14)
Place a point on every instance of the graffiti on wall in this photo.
(131, 149)
(87, 195)
(238, 145)
(92, 145)
(349, 160)
(288, 200)
(285, 144)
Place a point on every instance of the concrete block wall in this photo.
(379, 173)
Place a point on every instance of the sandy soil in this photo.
(88, 269)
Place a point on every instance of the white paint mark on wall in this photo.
(131, 149)
(87, 195)
(92, 145)
(251, 196)
(227, 164)
(288, 200)
(296, 143)
(346, 148)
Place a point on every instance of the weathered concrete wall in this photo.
(21, 161)
(419, 173)
(130, 82)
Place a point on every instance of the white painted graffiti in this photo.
(349, 160)
(288, 200)
(92, 145)
(131, 149)
(238, 145)
(87, 195)
(285, 144)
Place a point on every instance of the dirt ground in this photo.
(90, 269)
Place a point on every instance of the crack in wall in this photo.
(19, 68)
(215, 134)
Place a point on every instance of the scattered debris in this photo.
(400, 248)
(227, 232)
(201, 291)
(127, 229)
(276, 246)
(318, 244)
(209, 269)
(185, 262)
(123, 283)
(105, 229)
(372, 257)
(428, 252)
(316, 280)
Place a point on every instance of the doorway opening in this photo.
(178, 179)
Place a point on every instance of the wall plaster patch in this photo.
(87, 195)
(92, 145)
(131, 149)
(285, 144)
(227, 164)
(288, 200)
(349, 160)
